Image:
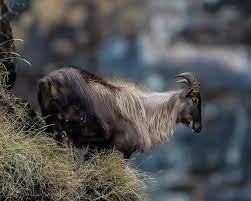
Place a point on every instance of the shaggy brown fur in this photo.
(101, 113)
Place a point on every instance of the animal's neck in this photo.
(162, 111)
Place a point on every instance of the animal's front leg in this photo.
(66, 140)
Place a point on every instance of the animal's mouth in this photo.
(196, 127)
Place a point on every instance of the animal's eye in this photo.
(194, 100)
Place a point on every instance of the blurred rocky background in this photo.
(149, 41)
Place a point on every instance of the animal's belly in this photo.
(124, 137)
(92, 134)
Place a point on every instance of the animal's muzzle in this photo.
(197, 127)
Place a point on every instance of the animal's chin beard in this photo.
(191, 126)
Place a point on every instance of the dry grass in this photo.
(36, 168)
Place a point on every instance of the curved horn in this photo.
(190, 79)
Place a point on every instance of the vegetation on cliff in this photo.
(34, 167)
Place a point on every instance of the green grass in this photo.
(34, 167)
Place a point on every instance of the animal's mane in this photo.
(96, 79)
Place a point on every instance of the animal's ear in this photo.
(47, 91)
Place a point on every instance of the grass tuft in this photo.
(34, 167)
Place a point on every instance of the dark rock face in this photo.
(7, 48)
(229, 23)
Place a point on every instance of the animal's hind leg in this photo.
(91, 150)
(81, 154)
